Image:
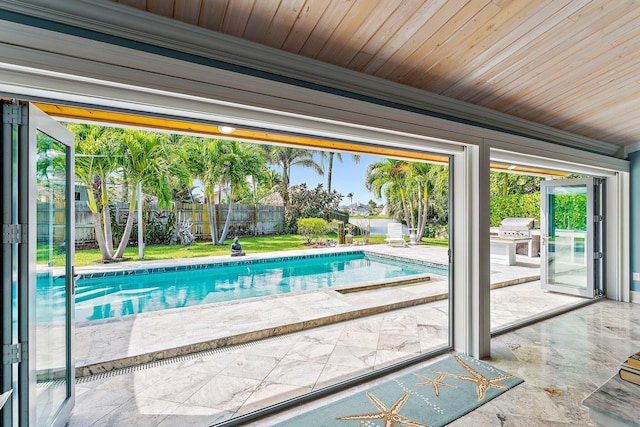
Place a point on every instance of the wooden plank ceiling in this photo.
(570, 64)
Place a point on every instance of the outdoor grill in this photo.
(516, 228)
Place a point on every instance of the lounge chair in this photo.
(395, 234)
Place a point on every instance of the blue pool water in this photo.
(114, 296)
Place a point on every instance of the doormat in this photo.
(432, 396)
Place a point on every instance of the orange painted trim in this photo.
(114, 118)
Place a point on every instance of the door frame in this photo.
(26, 122)
(594, 238)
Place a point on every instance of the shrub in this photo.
(309, 203)
(313, 228)
(514, 206)
(160, 227)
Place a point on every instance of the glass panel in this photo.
(567, 231)
(50, 304)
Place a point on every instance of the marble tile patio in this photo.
(215, 385)
(562, 360)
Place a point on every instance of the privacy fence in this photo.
(246, 220)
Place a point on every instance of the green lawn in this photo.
(200, 249)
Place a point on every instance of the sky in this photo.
(348, 177)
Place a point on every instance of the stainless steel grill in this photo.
(516, 228)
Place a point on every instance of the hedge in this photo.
(570, 209)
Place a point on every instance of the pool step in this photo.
(413, 280)
(90, 369)
(83, 294)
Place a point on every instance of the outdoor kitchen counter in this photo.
(503, 251)
(533, 244)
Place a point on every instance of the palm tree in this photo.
(424, 179)
(286, 157)
(388, 176)
(180, 178)
(329, 155)
(271, 178)
(239, 161)
(409, 187)
(202, 161)
(95, 160)
(223, 165)
(144, 160)
(350, 196)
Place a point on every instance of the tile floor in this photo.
(214, 386)
(562, 361)
(206, 388)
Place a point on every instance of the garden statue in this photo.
(236, 249)
(348, 238)
(184, 233)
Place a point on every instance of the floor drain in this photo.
(177, 359)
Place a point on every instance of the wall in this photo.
(634, 215)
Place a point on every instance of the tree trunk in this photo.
(255, 206)
(97, 227)
(412, 215)
(227, 222)
(106, 217)
(405, 208)
(419, 216)
(95, 218)
(213, 222)
(425, 209)
(127, 229)
(330, 172)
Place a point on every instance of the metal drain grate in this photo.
(176, 359)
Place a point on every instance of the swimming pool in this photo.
(102, 296)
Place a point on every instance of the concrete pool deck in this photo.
(105, 345)
(205, 388)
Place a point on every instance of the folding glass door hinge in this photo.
(14, 233)
(13, 114)
(11, 353)
(597, 218)
(597, 255)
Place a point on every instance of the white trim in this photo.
(471, 263)
(68, 89)
(460, 244)
(635, 297)
(543, 154)
(133, 24)
(630, 148)
(617, 232)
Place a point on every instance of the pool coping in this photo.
(253, 260)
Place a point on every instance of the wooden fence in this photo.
(246, 220)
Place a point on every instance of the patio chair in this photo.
(395, 234)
